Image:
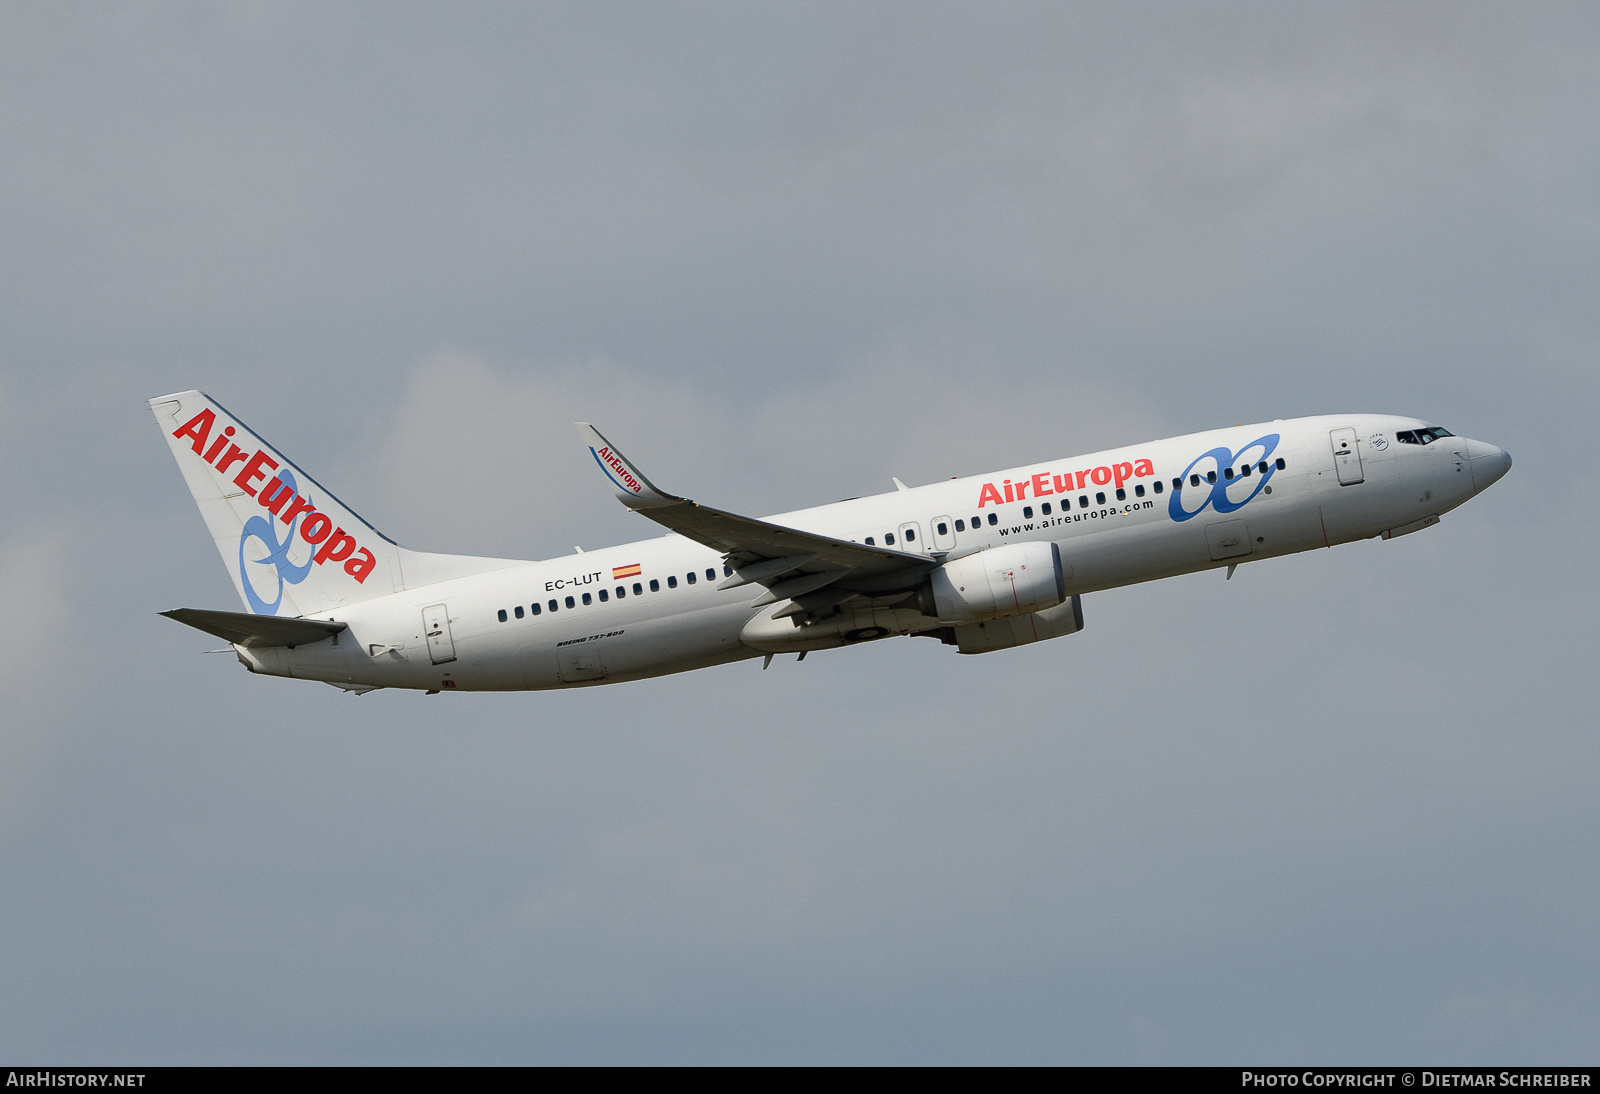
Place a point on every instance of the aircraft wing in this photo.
(788, 561)
(244, 629)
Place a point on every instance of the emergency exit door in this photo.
(436, 629)
(1346, 457)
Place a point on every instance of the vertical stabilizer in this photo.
(291, 547)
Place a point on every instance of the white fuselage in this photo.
(450, 635)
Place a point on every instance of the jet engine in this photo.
(1017, 579)
(1016, 630)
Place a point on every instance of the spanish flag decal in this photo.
(620, 572)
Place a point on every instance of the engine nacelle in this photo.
(1017, 579)
(1019, 630)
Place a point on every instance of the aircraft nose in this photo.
(1488, 462)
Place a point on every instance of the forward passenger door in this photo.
(1347, 457)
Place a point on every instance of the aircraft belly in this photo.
(615, 648)
(323, 660)
(1361, 510)
(1106, 558)
(1283, 522)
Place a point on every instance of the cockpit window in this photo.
(1426, 435)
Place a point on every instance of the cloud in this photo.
(779, 256)
(35, 569)
(483, 459)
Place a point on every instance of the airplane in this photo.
(980, 563)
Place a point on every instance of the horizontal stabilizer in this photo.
(243, 629)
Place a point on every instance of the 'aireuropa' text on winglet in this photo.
(629, 483)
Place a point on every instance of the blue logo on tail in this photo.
(260, 528)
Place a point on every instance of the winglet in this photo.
(627, 481)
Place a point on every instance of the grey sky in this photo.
(1340, 808)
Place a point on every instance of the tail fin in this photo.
(291, 547)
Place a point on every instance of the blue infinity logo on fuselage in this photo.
(260, 528)
(1216, 493)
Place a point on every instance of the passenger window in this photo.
(871, 542)
(1157, 485)
(1211, 476)
(1244, 471)
(1100, 497)
(1044, 509)
(711, 574)
(1262, 467)
(943, 529)
(975, 522)
(961, 525)
(502, 615)
(727, 571)
(534, 608)
(888, 539)
(1281, 465)
(690, 577)
(518, 610)
(1138, 489)
(672, 582)
(604, 596)
(638, 589)
(587, 599)
(571, 603)
(1083, 501)
(1027, 512)
(1194, 480)
(553, 605)
(993, 519)
(1177, 484)
(1122, 493)
(911, 534)
(622, 592)
(1227, 473)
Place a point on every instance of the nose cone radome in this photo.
(1488, 463)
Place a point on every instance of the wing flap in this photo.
(765, 570)
(243, 629)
